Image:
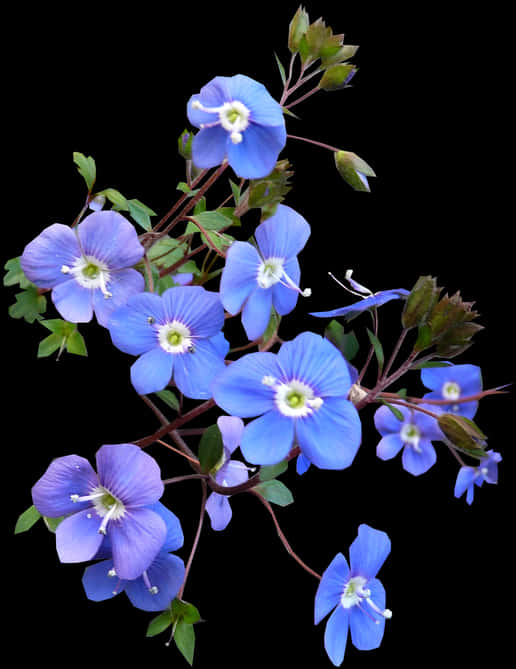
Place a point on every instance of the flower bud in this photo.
(463, 434)
(337, 76)
(423, 297)
(297, 29)
(353, 170)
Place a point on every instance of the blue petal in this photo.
(267, 440)
(231, 428)
(264, 109)
(130, 328)
(465, 480)
(331, 435)
(44, 256)
(389, 446)
(257, 312)
(256, 155)
(375, 300)
(368, 551)
(468, 377)
(232, 473)
(209, 147)
(285, 299)
(387, 423)
(282, 235)
(239, 275)
(166, 573)
(123, 285)
(367, 626)
(336, 635)
(221, 344)
(219, 510)
(74, 303)
(195, 372)
(418, 463)
(174, 539)
(199, 309)
(97, 583)
(239, 389)
(78, 537)
(152, 371)
(212, 94)
(331, 587)
(108, 236)
(302, 464)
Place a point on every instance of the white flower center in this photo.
(175, 337)
(271, 271)
(89, 272)
(355, 593)
(295, 398)
(233, 117)
(451, 391)
(107, 506)
(411, 435)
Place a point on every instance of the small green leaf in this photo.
(211, 448)
(59, 326)
(281, 70)
(209, 220)
(430, 363)
(269, 472)
(272, 326)
(185, 611)
(86, 167)
(394, 410)
(236, 190)
(50, 344)
(184, 636)
(29, 305)
(15, 274)
(160, 623)
(27, 519)
(276, 492)
(52, 523)
(378, 348)
(75, 344)
(141, 213)
(169, 398)
(347, 343)
(116, 198)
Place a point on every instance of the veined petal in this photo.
(282, 235)
(285, 299)
(331, 435)
(152, 371)
(132, 327)
(74, 303)
(467, 377)
(175, 538)
(78, 537)
(256, 155)
(166, 573)
(209, 147)
(419, 462)
(130, 474)
(195, 372)
(264, 109)
(65, 476)
(122, 286)
(136, 540)
(199, 309)
(336, 635)
(366, 626)
(389, 446)
(257, 312)
(232, 473)
(108, 236)
(375, 300)
(98, 584)
(387, 423)
(231, 428)
(368, 552)
(267, 440)
(239, 276)
(213, 94)
(219, 510)
(465, 479)
(44, 256)
(331, 587)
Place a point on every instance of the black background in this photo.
(427, 111)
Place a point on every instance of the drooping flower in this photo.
(115, 503)
(414, 434)
(469, 477)
(159, 583)
(230, 472)
(369, 300)
(453, 383)
(89, 268)
(239, 121)
(300, 394)
(354, 595)
(176, 336)
(258, 279)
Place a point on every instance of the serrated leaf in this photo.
(378, 348)
(275, 492)
(27, 519)
(269, 472)
(211, 448)
(86, 167)
(15, 274)
(29, 305)
(169, 398)
(160, 623)
(184, 611)
(184, 636)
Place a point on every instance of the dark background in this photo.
(427, 112)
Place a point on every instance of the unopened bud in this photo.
(337, 76)
(297, 29)
(463, 434)
(422, 299)
(353, 170)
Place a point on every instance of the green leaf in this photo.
(218, 240)
(75, 344)
(378, 349)
(184, 636)
(209, 220)
(236, 190)
(337, 76)
(166, 252)
(59, 326)
(116, 198)
(160, 623)
(141, 213)
(281, 70)
(169, 398)
(50, 344)
(394, 410)
(430, 363)
(272, 326)
(86, 167)
(346, 343)
(27, 519)
(52, 523)
(276, 492)
(29, 305)
(15, 274)
(211, 449)
(269, 472)
(185, 611)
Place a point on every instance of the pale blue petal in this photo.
(212, 94)
(133, 327)
(44, 256)
(195, 372)
(418, 463)
(282, 235)
(331, 587)
(375, 300)
(302, 464)
(74, 303)
(209, 147)
(152, 371)
(77, 537)
(367, 626)
(264, 109)
(386, 422)
(267, 440)
(123, 284)
(256, 313)
(238, 278)
(166, 573)
(108, 236)
(285, 298)
(465, 480)
(336, 635)
(174, 539)
(368, 551)
(231, 428)
(98, 584)
(219, 510)
(199, 309)
(256, 155)
(232, 473)
(389, 446)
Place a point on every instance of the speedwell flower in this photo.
(176, 336)
(89, 268)
(355, 595)
(239, 121)
(113, 503)
(159, 583)
(257, 279)
(452, 383)
(469, 477)
(300, 395)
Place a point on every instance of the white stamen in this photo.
(268, 381)
(236, 137)
(65, 269)
(86, 498)
(386, 613)
(411, 435)
(153, 589)
(107, 518)
(111, 573)
(296, 399)
(233, 117)
(484, 471)
(355, 593)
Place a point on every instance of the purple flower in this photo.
(230, 472)
(239, 121)
(89, 268)
(176, 335)
(159, 583)
(113, 503)
(300, 395)
(369, 300)
(452, 383)
(414, 434)
(469, 477)
(355, 596)
(258, 279)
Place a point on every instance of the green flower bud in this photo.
(463, 434)
(423, 297)
(297, 29)
(337, 76)
(353, 170)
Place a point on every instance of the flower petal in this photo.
(284, 298)
(78, 538)
(132, 326)
(302, 464)
(44, 256)
(387, 423)
(195, 372)
(331, 587)
(122, 286)
(465, 480)
(375, 300)
(366, 626)
(257, 312)
(416, 462)
(199, 309)
(209, 147)
(232, 473)
(108, 236)
(368, 551)
(98, 584)
(166, 573)
(239, 275)
(231, 428)
(283, 234)
(264, 109)
(74, 303)
(152, 371)
(389, 446)
(219, 510)
(267, 440)
(256, 155)
(336, 635)
(212, 94)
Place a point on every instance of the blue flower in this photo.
(452, 383)
(230, 472)
(89, 268)
(159, 583)
(414, 434)
(115, 504)
(369, 300)
(300, 395)
(239, 121)
(468, 477)
(355, 595)
(258, 279)
(177, 335)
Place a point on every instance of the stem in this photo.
(312, 141)
(179, 202)
(186, 477)
(395, 352)
(206, 235)
(163, 443)
(460, 400)
(283, 538)
(148, 272)
(303, 97)
(196, 539)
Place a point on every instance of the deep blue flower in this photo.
(230, 472)
(355, 595)
(452, 383)
(469, 477)
(159, 583)
(177, 336)
(115, 504)
(88, 268)
(414, 434)
(300, 395)
(239, 121)
(258, 279)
